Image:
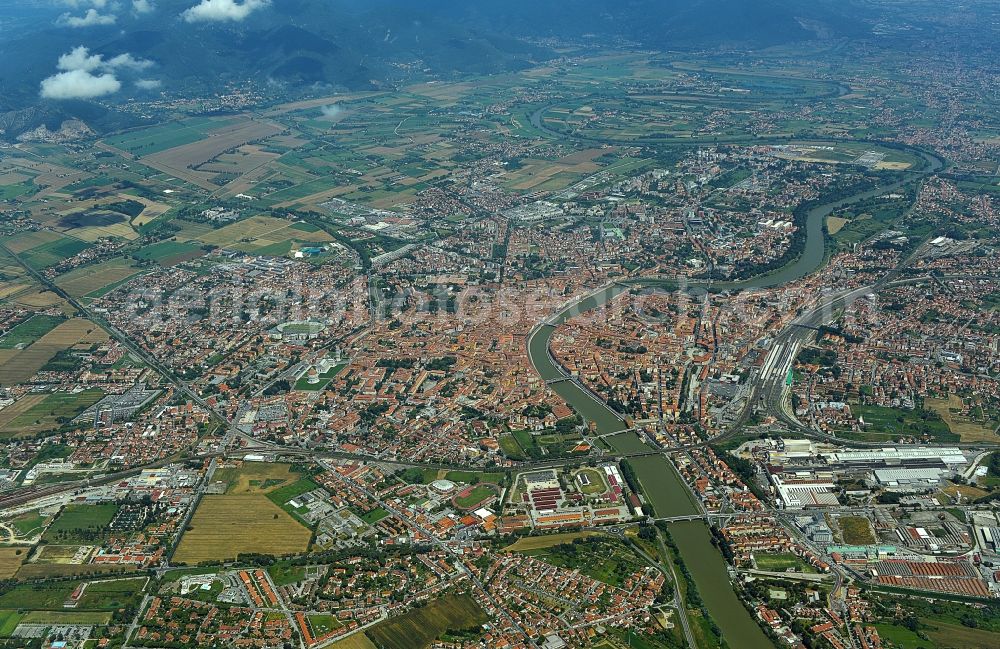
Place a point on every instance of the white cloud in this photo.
(331, 110)
(79, 84)
(85, 75)
(79, 4)
(148, 84)
(128, 61)
(90, 19)
(223, 10)
(142, 6)
(80, 59)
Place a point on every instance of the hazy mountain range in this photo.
(196, 47)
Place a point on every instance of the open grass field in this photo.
(39, 597)
(958, 636)
(256, 477)
(28, 524)
(51, 553)
(547, 541)
(188, 155)
(283, 573)
(252, 228)
(49, 412)
(964, 493)
(111, 594)
(896, 422)
(80, 523)
(354, 641)
(225, 526)
(856, 530)
(10, 561)
(324, 379)
(835, 224)
(899, 637)
(15, 410)
(969, 431)
(223, 138)
(37, 298)
(107, 595)
(281, 495)
(323, 624)
(420, 627)
(66, 617)
(263, 235)
(596, 484)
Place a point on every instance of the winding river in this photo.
(661, 483)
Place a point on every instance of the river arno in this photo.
(711, 576)
(661, 483)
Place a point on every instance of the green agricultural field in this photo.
(282, 495)
(17, 190)
(900, 637)
(108, 595)
(67, 617)
(8, 622)
(55, 409)
(152, 140)
(420, 627)
(168, 253)
(29, 331)
(510, 447)
(53, 252)
(80, 523)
